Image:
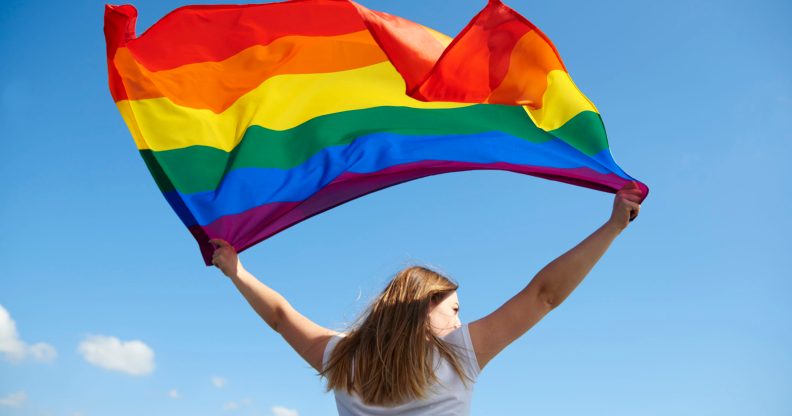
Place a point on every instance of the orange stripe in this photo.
(217, 85)
(525, 82)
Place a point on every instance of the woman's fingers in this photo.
(627, 203)
(224, 254)
(634, 208)
(632, 198)
(630, 188)
(218, 243)
(218, 254)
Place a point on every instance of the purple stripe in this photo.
(246, 229)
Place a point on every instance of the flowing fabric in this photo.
(252, 118)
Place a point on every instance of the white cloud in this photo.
(283, 411)
(14, 399)
(219, 382)
(174, 394)
(235, 405)
(42, 351)
(131, 357)
(16, 350)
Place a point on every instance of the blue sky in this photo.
(688, 313)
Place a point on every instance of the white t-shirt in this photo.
(448, 398)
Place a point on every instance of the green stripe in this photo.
(201, 168)
(585, 132)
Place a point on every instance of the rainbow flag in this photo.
(252, 118)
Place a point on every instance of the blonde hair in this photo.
(392, 347)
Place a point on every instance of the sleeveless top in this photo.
(449, 397)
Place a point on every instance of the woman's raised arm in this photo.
(305, 336)
(552, 284)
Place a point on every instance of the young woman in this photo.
(409, 354)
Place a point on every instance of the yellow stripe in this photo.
(279, 103)
(129, 118)
(444, 39)
(561, 101)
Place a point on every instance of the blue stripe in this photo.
(246, 188)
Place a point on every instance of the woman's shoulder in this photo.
(460, 338)
(331, 343)
(458, 335)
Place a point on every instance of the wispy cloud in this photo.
(219, 382)
(236, 405)
(284, 411)
(174, 394)
(131, 357)
(16, 350)
(14, 399)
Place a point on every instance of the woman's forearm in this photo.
(559, 278)
(268, 303)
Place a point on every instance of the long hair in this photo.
(388, 357)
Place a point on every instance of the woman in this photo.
(409, 353)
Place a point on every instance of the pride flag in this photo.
(252, 118)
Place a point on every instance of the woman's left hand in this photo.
(225, 258)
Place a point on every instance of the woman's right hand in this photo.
(225, 258)
(626, 205)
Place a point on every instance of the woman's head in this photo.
(394, 344)
(421, 297)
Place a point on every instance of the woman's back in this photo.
(412, 315)
(449, 396)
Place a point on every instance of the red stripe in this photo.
(119, 27)
(412, 50)
(213, 33)
(477, 60)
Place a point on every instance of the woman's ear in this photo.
(433, 302)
